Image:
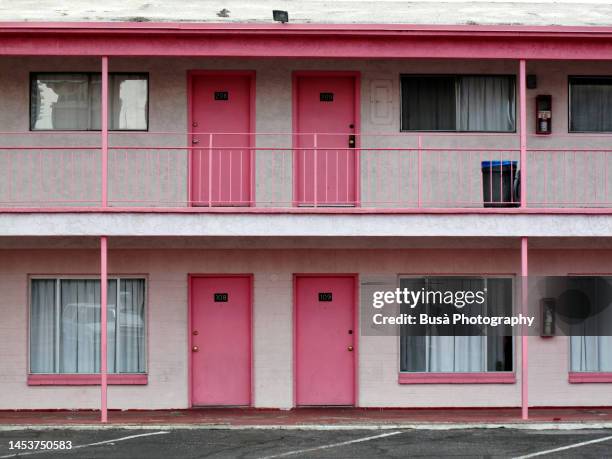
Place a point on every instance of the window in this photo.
(71, 101)
(459, 354)
(465, 103)
(65, 326)
(590, 100)
(590, 349)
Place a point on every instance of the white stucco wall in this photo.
(167, 272)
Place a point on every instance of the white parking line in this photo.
(28, 453)
(563, 448)
(333, 445)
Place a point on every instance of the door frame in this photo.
(356, 75)
(252, 123)
(190, 310)
(355, 277)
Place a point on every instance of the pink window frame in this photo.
(85, 379)
(481, 377)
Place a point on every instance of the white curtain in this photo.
(42, 328)
(591, 353)
(128, 99)
(423, 350)
(65, 332)
(65, 101)
(486, 103)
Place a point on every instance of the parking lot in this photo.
(270, 443)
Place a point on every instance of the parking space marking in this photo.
(333, 445)
(563, 448)
(130, 437)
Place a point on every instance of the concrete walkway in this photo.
(316, 418)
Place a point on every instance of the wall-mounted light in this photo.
(280, 16)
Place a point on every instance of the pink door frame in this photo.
(190, 278)
(356, 331)
(252, 123)
(357, 116)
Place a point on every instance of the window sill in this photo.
(590, 377)
(86, 379)
(457, 378)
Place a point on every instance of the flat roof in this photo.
(451, 12)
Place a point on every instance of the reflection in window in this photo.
(65, 326)
(71, 101)
(431, 352)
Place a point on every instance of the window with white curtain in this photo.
(71, 101)
(590, 100)
(429, 351)
(463, 103)
(590, 348)
(65, 326)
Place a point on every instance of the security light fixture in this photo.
(280, 16)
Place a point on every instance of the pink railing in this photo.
(382, 171)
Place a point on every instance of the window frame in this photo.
(584, 377)
(569, 103)
(89, 74)
(482, 377)
(86, 379)
(456, 76)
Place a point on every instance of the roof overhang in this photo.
(369, 41)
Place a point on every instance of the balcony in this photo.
(59, 171)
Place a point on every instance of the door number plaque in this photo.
(325, 296)
(221, 297)
(221, 95)
(326, 97)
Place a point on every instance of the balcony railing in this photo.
(396, 172)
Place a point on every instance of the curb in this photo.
(406, 426)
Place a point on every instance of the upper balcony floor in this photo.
(198, 134)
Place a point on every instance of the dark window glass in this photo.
(462, 103)
(590, 104)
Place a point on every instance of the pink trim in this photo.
(311, 210)
(86, 379)
(104, 131)
(103, 329)
(307, 40)
(524, 337)
(457, 378)
(523, 129)
(356, 333)
(356, 116)
(588, 377)
(190, 278)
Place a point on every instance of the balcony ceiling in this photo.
(489, 12)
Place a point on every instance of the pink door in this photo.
(326, 107)
(221, 119)
(325, 340)
(221, 341)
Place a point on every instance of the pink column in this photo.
(524, 344)
(103, 247)
(523, 129)
(104, 131)
(103, 332)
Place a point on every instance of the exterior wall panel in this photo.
(167, 272)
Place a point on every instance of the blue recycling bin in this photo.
(499, 183)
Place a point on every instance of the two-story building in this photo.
(190, 211)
